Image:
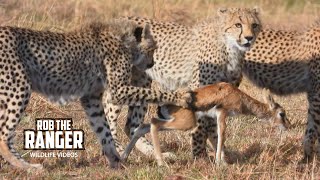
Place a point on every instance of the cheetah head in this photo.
(143, 54)
(138, 43)
(241, 26)
(278, 115)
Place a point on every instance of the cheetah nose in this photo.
(249, 38)
(150, 65)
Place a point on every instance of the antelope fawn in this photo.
(218, 100)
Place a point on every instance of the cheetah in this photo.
(209, 52)
(221, 99)
(83, 64)
(288, 62)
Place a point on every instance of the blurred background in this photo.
(62, 14)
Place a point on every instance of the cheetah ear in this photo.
(147, 41)
(268, 99)
(256, 10)
(222, 11)
(146, 34)
(142, 33)
(138, 34)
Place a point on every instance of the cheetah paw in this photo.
(169, 155)
(37, 166)
(34, 168)
(184, 97)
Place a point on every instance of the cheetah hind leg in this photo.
(6, 141)
(10, 155)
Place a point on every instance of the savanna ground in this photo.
(254, 149)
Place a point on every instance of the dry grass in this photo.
(255, 150)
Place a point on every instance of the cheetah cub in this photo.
(221, 100)
(92, 64)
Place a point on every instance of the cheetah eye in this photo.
(238, 25)
(255, 25)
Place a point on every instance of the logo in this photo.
(54, 134)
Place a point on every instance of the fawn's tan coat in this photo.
(220, 100)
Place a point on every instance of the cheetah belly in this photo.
(174, 63)
(170, 80)
(282, 78)
(61, 90)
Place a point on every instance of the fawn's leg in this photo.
(144, 129)
(154, 130)
(140, 131)
(221, 126)
(156, 126)
(135, 118)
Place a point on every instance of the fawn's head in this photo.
(278, 115)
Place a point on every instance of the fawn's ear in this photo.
(268, 99)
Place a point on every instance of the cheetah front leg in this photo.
(313, 125)
(135, 118)
(136, 114)
(312, 132)
(96, 115)
(113, 112)
(198, 138)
